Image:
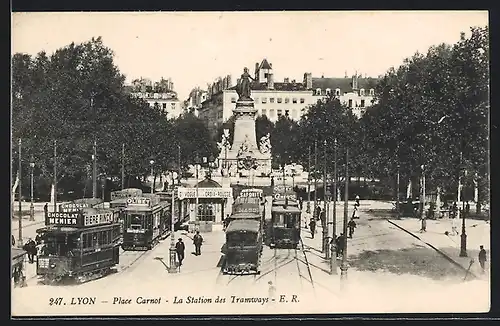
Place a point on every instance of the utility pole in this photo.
(178, 164)
(315, 177)
(463, 236)
(197, 159)
(325, 221)
(343, 267)
(308, 207)
(32, 206)
(123, 166)
(172, 253)
(397, 181)
(55, 176)
(20, 217)
(94, 170)
(333, 262)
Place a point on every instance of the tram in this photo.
(145, 220)
(253, 193)
(119, 201)
(82, 245)
(284, 227)
(243, 247)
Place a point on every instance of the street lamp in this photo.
(324, 222)
(344, 267)
(172, 252)
(196, 163)
(32, 207)
(226, 144)
(308, 209)
(151, 162)
(463, 236)
(333, 262)
(20, 240)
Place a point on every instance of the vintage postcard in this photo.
(237, 163)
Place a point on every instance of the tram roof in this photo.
(140, 208)
(243, 225)
(288, 209)
(119, 201)
(244, 215)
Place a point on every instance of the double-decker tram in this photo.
(243, 247)
(284, 230)
(82, 245)
(145, 220)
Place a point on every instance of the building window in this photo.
(294, 101)
(271, 100)
(350, 103)
(362, 92)
(302, 100)
(318, 91)
(280, 99)
(372, 92)
(294, 113)
(337, 92)
(280, 112)
(264, 100)
(271, 113)
(264, 112)
(287, 113)
(164, 106)
(287, 100)
(233, 99)
(362, 103)
(328, 91)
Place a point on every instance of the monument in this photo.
(244, 156)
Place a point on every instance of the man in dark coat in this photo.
(351, 226)
(482, 257)
(46, 208)
(312, 226)
(197, 241)
(340, 245)
(30, 248)
(180, 248)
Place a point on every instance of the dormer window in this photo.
(328, 91)
(372, 92)
(362, 92)
(337, 92)
(318, 91)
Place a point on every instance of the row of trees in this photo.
(77, 97)
(430, 116)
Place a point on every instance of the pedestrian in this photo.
(317, 213)
(323, 219)
(424, 224)
(179, 248)
(351, 226)
(13, 240)
(30, 248)
(46, 208)
(482, 257)
(357, 200)
(312, 226)
(355, 213)
(197, 241)
(38, 239)
(301, 203)
(340, 245)
(454, 210)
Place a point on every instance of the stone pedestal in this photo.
(244, 154)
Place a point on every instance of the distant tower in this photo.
(264, 69)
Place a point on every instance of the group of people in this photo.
(180, 248)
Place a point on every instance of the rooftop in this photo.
(283, 87)
(344, 84)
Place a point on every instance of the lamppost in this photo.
(94, 171)
(172, 252)
(123, 166)
(422, 213)
(196, 162)
(344, 267)
(324, 222)
(463, 236)
(151, 162)
(226, 144)
(32, 206)
(315, 177)
(397, 181)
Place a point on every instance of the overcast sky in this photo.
(194, 48)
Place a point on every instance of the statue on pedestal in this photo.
(243, 87)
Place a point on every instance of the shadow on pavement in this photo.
(416, 261)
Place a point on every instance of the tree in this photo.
(263, 126)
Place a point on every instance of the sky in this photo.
(194, 48)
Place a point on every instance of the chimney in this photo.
(355, 81)
(345, 74)
(257, 72)
(270, 81)
(308, 80)
(229, 83)
(286, 80)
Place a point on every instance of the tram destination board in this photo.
(77, 219)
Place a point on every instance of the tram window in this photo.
(241, 239)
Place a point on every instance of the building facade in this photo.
(160, 94)
(289, 97)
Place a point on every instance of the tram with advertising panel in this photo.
(82, 245)
(254, 193)
(119, 200)
(243, 247)
(282, 230)
(146, 220)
